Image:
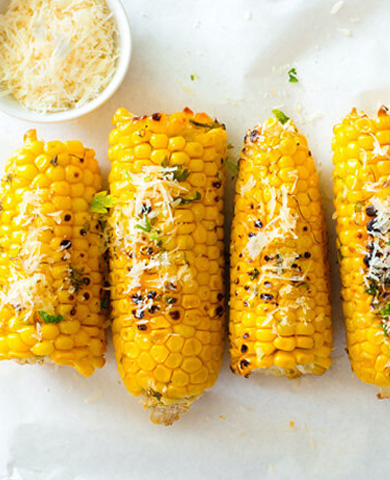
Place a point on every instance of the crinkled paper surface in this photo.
(54, 424)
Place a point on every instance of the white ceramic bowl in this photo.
(11, 107)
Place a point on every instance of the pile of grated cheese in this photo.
(56, 55)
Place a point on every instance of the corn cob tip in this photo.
(383, 110)
(384, 393)
(121, 115)
(166, 415)
(188, 111)
(30, 136)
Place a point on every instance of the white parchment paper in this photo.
(54, 424)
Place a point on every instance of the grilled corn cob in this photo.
(280, 316)
(362, 201)
(50, 256)
(166, 256)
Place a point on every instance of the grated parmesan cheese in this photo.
(56, 54)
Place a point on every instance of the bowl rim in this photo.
(125, 41)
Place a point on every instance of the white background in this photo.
(54, 424)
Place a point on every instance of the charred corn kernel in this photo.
(48, 267)
(279, 272)
(362, 213)
(162, 316)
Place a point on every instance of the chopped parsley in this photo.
(253, 275)
(180, 174)
(292, 75)
(209, 125)
(385, 329)
(165, 163)
(192, 77)
(145, 228)
(101, 202)
(170, 300)
(156, 238)
(156, 395)
(186, 201)
(76, 277)
(280, 116)
(104, 303)
(372, 289)
(47, 318)
(385, 312)
(232, 167)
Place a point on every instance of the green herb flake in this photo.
(101, 202)
(154, 394)
(145, 228)
(232, 167)
(385, 312)
(165, 163)
(47, 318)
(186, 201)
(292, 75)
(104, 303)
(180, 174)
(76, 277)
(253, 275)
(372, 289)
(192, 77)
(208, 126)
(280, 116)
(170, 300)
(385, 329)
(156, 238)
(54, 160)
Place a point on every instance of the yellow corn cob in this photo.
(362, 201)
(50, 256)
(166, 256)
(280, 316)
